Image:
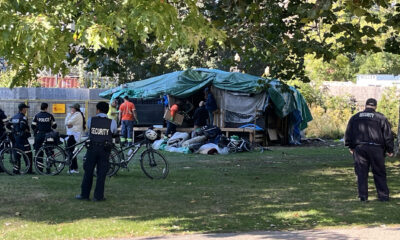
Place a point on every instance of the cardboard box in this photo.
(178, 119)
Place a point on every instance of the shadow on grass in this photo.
(210, 194)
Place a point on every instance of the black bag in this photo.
(52, 138)
(211, 132)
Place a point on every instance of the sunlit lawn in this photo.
(283, 189)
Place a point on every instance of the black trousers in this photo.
(95, 156)
(22, 143)
(366, 156)
(39, 140)
(74, 162)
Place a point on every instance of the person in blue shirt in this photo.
(101, 130)
(211, 105)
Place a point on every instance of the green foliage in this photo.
(345, 68)
(330, 119)
(312, 92)
(389, 106)
(6, 78)
(36, 34)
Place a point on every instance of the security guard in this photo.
(3, 122)
(42, 123)
(21, 131)
(369, 137)
(101, 129)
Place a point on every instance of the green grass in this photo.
(283, 189)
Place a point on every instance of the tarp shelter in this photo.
(239, 96)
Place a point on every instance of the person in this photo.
(211, 105)
(171, 127)
(75, 124)
(369, 136)
(3, 123)
(113, 110)
(42, 123)
(21, 132)
(127, 114)
(101, 129)
(200, 118)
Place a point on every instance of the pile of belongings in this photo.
(205, 141)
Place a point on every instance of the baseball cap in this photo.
(22, 106)
(76, 106)
(371, 102)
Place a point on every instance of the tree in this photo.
(139, 38)
(37, 34)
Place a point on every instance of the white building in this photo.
(379, 80)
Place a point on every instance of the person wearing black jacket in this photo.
(200, 118)
(101, 130)
(3, 122)
(42, 123)
(21, 131)
(369, 137)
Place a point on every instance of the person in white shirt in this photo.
(75, 125)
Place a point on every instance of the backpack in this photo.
(211, 132)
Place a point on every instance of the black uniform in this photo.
(42, 123)
(3, 121)
(98, 153)
(21, 131)
(369, 135)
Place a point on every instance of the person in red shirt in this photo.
(127, 114)
(171, 127)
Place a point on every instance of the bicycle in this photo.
(10, 157)
(153, 163)
(53, 158)
(237, 144)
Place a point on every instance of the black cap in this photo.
(371, 102)
(22, 106)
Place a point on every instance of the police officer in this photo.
(369, 137)
(21, 131)
(101, 129)
(3, 122)
(42, 123)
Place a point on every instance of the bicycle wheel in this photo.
(114, 160)
(50, 160)
(246, 146)
(232, 148)
(154, 164)
(14, 161)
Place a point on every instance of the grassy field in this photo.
(283, 189)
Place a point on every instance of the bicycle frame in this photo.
(76, 151)
(136, 147)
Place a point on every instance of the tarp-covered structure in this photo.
(238, 95)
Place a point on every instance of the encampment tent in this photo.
(239, 96)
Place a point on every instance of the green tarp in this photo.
(182, 84)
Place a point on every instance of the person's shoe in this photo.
(383, 199)
(80, 197)
(73, 171)
(363, 199)
(98, 200)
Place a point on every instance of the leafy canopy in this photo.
(39, 33)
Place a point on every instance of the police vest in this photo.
(19, 123)
(100, 130)
(44, 121)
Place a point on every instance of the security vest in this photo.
(43, 122)
(100, 130)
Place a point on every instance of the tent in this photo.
(239, 96)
